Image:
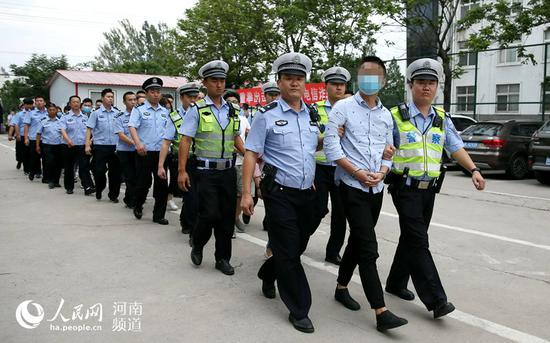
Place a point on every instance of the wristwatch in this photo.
(476, 169)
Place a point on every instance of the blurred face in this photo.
(187, 100)
(75, 104)
(52, 111)
(423, 91)
(27, 107)
(140, 98)
(292, 86)
(232, 100)
(130, 101)
(108, 99)
(40, 103)
(336, 90)
(153, 96)
(200, 96)
(215, 87)
(271, 96)
(371, 78)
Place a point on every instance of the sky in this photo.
(75, 27)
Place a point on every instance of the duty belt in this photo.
(215, 165)
(422, 184)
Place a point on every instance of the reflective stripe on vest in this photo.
(323, 120)
(177, 120)
(211, 141)
(421, 153)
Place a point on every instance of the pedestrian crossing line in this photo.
(466, 318)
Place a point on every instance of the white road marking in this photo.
(469, 319)
(480, 233)
(517, 195)
(7, 146)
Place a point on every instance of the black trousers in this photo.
(362, 211)
(413, 256)
(190, 209)
(76, 155)
(128, 170)
(34, 159)
(217, 196)
(106, 161)
(325, 186)
(146, 171)
(172, 163)
(290, 215)
(24, 155)
(53, 161)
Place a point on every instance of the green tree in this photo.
(35, 72)
(149, 50)
(394, 91)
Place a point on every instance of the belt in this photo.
(215, 165)
(292, 189)
(422, 184)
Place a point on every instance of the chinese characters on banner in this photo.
(252, 96)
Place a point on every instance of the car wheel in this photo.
(517, 167)
(543, 177)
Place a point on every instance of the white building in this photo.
(89, 84)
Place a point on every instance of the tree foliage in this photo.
(394, 91)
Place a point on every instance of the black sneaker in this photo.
(342, 296)
(387, 321)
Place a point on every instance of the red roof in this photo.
(115, 79)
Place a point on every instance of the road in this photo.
(71, 255)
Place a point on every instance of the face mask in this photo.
(86, 110)
(369, 84)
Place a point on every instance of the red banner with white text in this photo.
(253, 96)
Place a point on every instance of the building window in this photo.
(509, 55)
(543, 99)
(466, 58)
(508, 98)
(465, 98)
(466, 6)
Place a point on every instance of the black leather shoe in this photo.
(185, 230)
(402, 293)
(161, 221)
(113, 200)
(31, 177)
(51, 185)
(44, 180)
(38, 176)
(268, 289)
(224, 267)
(138, 212)
(57, 185)
(89, 191)
(69, 191)
(342, 296)
(18, 166)
(334, 259)
(98, 195)
(303, 325)
(443, 310)
(196, 256)
(387, 320)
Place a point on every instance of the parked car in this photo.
(501, 145)
(539, 151)
(460, 122)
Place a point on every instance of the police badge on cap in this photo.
(292, 63)
(153, 82)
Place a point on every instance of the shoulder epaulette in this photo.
(201, 103)
(268, 107)
(119, 114)
(140, 104)
(116, 108)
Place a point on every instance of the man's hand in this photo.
(88, 150)
(389, 150)
(70, 143)
(141, 150)
(183, 181)
(247, 204)
(27, 142)
(38, 149)
(369, 179)
(478, 181)
(341, 131)
(10, 138)
(161, 172)
(18, 138)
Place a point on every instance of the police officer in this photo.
(285, 133)
(271, 93)
(336, 79)
(32, 123)
(214, 125)
(17, 129)
(421, 132)
(73, 130)
(147, 126)
(126, 150)
(49, 144)
(188, 95)
(101, 124)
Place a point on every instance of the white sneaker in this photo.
(171, 205)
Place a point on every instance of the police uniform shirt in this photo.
(452, 143)
(367, 132)
(121, 125)
(102, 123)
(17, 120)
(33, 118)
(50, 131)
(287, 140)
(75, 127)
(150, 124)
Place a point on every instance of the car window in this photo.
(462, 123)
(483, 129)
(525, 130)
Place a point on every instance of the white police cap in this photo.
(425, 69)
(292, 63)
(270, 87)
(191, 89)
(336, 74)
(217, 68)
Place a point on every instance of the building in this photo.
(89, 84)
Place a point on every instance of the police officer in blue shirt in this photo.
(32, 123)
(49, 144)
(73, 130)
(125, 149)
(17, 129)
(286, 134)
(211, 130)
(101, 124)
(421, 132)
(147, 126)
